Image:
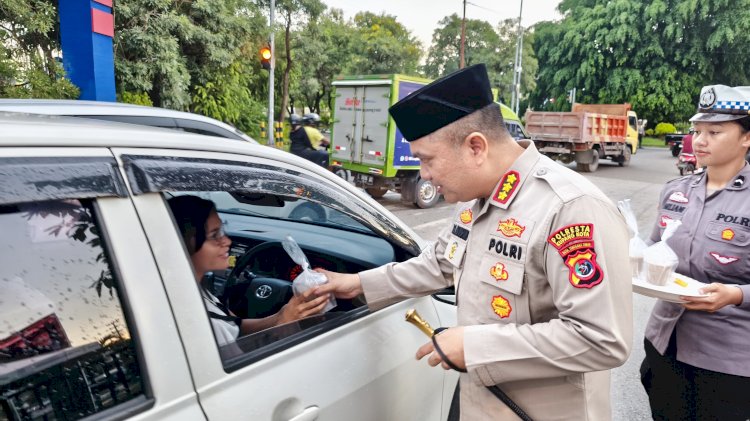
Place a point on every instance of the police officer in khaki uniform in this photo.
(537, 254)
(697, 363)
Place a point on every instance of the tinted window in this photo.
(66, 350)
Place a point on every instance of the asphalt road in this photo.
(640, 182)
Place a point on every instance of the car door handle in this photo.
(309, 414)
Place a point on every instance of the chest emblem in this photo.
(724, 260)
(507, 186)
(727, 234)
(663, 220)
(498, 272)
(510, 228)
(678, 197)
(452, 252)
(501, 306)
(466, 216)
(575, 244)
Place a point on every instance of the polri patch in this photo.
(501, 306)
(498, 272)
(510, 228)
(508, 185)
(575, 244)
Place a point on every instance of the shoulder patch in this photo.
(575, 244)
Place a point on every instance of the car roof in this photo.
(71, 107)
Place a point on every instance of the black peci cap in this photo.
(442, 102)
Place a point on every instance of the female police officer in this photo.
(698, 353)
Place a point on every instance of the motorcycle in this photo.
(686, 163)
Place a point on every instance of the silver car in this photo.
(101, 316)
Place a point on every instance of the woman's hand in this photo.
(301, 306)
(718, 296)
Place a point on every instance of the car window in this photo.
(63, 327)
(259, 205)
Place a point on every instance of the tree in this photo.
(383, 45)
(28, 42)
(654, 54)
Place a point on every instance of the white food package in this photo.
(637, 245)
(659, 259)
(308, 278)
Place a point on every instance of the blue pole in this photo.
(86, 31)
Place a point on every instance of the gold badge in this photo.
(507, 186)
(454, 246)
(510, 228)
(727, 234)
(501, 306)
(466, 216)
(498, 272)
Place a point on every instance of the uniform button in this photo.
(541, 171)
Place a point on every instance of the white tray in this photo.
(671, 291)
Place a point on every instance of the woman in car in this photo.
(208, 246)
(698, 353)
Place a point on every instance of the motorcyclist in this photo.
(306, 139)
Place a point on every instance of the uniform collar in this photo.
(512, 181)
(740, 181)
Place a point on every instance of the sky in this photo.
(422, 16)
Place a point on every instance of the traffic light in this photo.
(265, 58)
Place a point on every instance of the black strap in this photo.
(231, 319)
(495, 390)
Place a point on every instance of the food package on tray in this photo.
(308, 278)
(637, 245)
(659, 259)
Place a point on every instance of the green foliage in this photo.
(664, 128)
(383, 45)
(28, 43)
(137, 98)
(649, 132)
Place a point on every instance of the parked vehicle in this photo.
(101, 316)
(585, 135)
(686, 163)
(674, 142)
(366, 142)
(127, 113)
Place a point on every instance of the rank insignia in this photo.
(453, 248)
(724, 260)
(727, 234)
(510, 228)
(584, 271)
(678, 197)
(498, 272)
(466, 216)
(507, 186)
(501, 306)
(575, 244)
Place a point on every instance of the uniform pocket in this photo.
(502, 274)
(502, 286)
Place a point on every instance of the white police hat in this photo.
(723, 103)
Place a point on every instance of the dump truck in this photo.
(366, 143)
(586, 134)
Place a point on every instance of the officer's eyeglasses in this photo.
(218, 235)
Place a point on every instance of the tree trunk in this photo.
(287, 70)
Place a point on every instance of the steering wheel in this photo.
(257, 297)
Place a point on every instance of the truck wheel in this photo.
(589, 167)
(376, 192)
(426, 194)
(341, 172)
(625, 158)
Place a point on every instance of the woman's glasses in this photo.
(218, 235)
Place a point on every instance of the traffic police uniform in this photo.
(542, 279)
(712, 246)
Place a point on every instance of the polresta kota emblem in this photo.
(708, 98)
(263, 291)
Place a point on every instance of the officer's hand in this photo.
(718, 296)
(451, 342)
(341, 285)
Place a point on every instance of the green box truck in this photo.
(366, 142)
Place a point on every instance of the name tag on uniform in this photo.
(454, 251)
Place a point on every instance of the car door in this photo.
(344, 365)
(85, 326)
